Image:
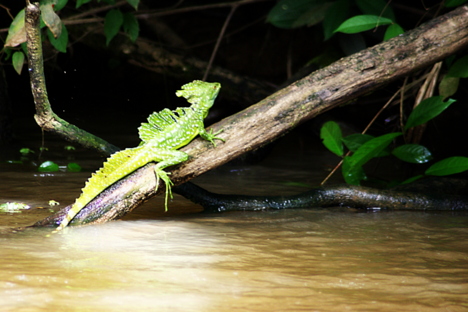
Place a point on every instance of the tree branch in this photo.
(45, 117)
(322, 90)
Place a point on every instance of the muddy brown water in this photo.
(296, 260)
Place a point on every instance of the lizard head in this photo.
(199, 93)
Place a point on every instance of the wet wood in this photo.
(434, 194)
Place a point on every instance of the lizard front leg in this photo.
(210, 136)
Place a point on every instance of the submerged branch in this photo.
(419, 196)
(442, 194)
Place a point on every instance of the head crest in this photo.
(199, 92)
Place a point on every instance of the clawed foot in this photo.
(213, 136)
(163, 175)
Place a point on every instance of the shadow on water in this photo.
(298, 260)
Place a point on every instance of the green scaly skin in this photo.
(162, 136)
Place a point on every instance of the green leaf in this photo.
(361, 23)
(413, 153)
(448, 166)
(81, 2)
(352, 174)
(427, 110)
(352, 170)
(18, 61)
(16, 32)
(392, 31)
(312, 16)
(61, 42)
(448, 86)
(60, 5)
(48, 166)
(51, 19)
(296, 13)
(354, 141)
(371, 149)
(26, 151)
(336, 14)
(130, 26)
(112, 23)
(459, 68)
(454, 3)
(134, 3)
(73, 167)
(376, 7)
(331, 135)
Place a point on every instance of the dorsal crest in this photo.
(159, 121)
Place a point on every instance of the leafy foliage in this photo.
(57, 32)
(413, 153)
(331, 135)
(361, 23)
(335, 16)
(18, 61)
(454, 3)
(365, 147)
(393, 30)
(448, 166)
(459, 68)
(297, 13)
(112, 23)
(352, 171)
(48, 166)
(130, 26)
(61, 42)
(427, 110)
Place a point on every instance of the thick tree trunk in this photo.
(322, 90)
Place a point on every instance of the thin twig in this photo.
(197, 8)
(220, 37)
(97, 10)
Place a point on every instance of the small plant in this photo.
(25, 151)
(48, 166)
(13, 207)
(364, 147)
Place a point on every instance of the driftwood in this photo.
(322, 90)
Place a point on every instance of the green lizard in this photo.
(162, 136)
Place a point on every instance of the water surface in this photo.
(332, 259)
(301, 260)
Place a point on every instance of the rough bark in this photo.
(322, 90)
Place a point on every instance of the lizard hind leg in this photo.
(163, 175)
(166, 158)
